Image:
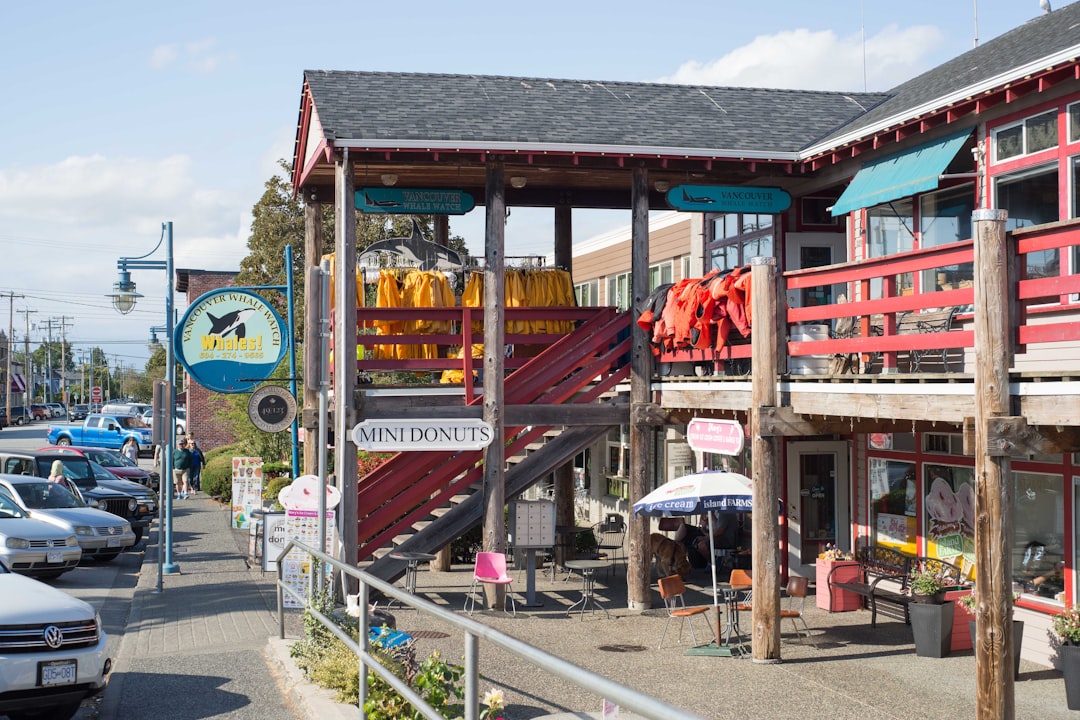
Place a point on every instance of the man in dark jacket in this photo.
(181, 462)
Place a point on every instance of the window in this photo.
(949, 502)
(1039, 536)
(945, 217)
(943, 443)
(1074, 122)
(1031, 198)
(587, 293)
(660, 274)
(890, 230)
(892, 503)
(1028, 136)
(737, 237)
(618, 291)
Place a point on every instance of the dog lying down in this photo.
(670, 556)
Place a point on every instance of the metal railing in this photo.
(628, 698)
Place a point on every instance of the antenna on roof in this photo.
(862, 29)
(975, 13)
(1045, 5)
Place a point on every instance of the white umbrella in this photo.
(699, 493)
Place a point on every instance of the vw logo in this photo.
(54, 637)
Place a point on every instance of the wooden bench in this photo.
(879, 564)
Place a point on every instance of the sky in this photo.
(122, 115)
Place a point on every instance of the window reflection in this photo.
(1039, 536)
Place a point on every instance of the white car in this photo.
(53, 650)
(101, 535)
(34, 547)
(181, 420)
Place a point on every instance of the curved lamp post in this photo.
(123, 299)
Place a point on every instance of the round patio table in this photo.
(588, 596)
(412, 559)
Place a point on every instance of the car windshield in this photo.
(104, 458)
(47, 496)
(101, 473)
(9, 508)
(130, 421)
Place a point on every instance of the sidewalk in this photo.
(207, 648)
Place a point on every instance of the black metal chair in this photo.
(610, 538)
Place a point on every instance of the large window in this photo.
(892, 504)
(1031, 198)
(1028, 136)
(1039, 536)
(890, 230)
(660, 274)
(618, 290)
(949, 500)
(738, 237)
(945, 217)
(587, 293)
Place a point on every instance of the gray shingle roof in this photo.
(1035, 40)
(481, 109)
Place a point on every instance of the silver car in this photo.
(34, 547)
(101, 534)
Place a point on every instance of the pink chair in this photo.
(490, 569)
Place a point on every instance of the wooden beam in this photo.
(313, 250)
(1013, 437)
(615, 413)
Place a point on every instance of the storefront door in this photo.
(817, 503)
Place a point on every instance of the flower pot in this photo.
(837, 600)
(935, 599)
(931, 625)
(1070, 667)
(1018, 641)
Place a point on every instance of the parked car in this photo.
(101, 535)
(53, 649)
(148, 499)
(3, 418)
(114, 461)
(181, 419)
(34, 547)
(79, 412)
(58, 409)
(21, 415)
(40, 412)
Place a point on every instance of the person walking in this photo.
(181, 459)
(197, 462)
(131, 452)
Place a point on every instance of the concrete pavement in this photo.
(207, 647)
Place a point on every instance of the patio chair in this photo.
(796, 594)
(490, 569)
(673, 590)
(610, 537)
(742, 584)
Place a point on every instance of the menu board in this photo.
(247, 487)
(303, 525)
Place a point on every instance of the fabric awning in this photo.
(912, 171)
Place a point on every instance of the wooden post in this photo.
(564, 474)
(494, 539)
(765, 630)
(345, 353)
(443, 558)
(313, 250)
(638, 555)
(994, 684)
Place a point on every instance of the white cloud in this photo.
(163, 55)
(199, 56)
(808, 60)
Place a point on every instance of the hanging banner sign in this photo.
(404, 435)
(413, 201)
(729, 198)
(723, 437)
(230, 340)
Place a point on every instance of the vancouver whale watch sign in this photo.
(230, 340)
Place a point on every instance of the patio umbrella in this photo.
(699, 493)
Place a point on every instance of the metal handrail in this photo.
(640, 703)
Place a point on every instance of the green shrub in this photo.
(272, 489)
(217, 478)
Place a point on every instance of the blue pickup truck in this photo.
(107, 431)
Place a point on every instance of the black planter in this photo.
(1018, 641)
(931, 625)
(1070, 667)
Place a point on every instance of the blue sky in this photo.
(120, 115)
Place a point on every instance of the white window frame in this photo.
(995, 160)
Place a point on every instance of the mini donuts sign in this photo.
(230, 340)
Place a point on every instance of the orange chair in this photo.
(741, 582)
(672, 590)
(490, 569)
(797, 591)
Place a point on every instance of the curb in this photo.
(308, 700)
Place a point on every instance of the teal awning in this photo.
(912, 171)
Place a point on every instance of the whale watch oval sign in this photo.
(230, 340)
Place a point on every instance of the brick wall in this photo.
(201, 402)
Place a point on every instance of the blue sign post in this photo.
(729, 198)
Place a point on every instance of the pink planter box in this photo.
(837, 600)
(961, 632)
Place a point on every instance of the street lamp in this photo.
(153, 344)
(123, 298)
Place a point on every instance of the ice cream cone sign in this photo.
(303, 494)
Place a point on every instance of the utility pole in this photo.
(63, 357)
(10, 346)
(26, 358)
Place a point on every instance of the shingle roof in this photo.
(1035, 40)
(481, 109)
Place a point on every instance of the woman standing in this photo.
(197, 462)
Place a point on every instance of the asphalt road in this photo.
(108, 586)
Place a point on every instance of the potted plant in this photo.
(931, 617)
(840, 566)
(1067, 628)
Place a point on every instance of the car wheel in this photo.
(64, 442)
(179, 429)
(56, 712)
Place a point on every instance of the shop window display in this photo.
(1039, 536)
(950, 513)
(892, 497)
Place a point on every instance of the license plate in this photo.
(54, 556)
(57, 672)
(114, 542)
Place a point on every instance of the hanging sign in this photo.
(230, 340)
(729, 198)
(723, 437)
(271, 408)
(404, 435)
(413, 201)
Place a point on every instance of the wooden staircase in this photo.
(421, 501)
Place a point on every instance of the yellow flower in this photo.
(494, 699)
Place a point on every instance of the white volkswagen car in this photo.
(34, 547)
(53, 650)
(101, 534)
